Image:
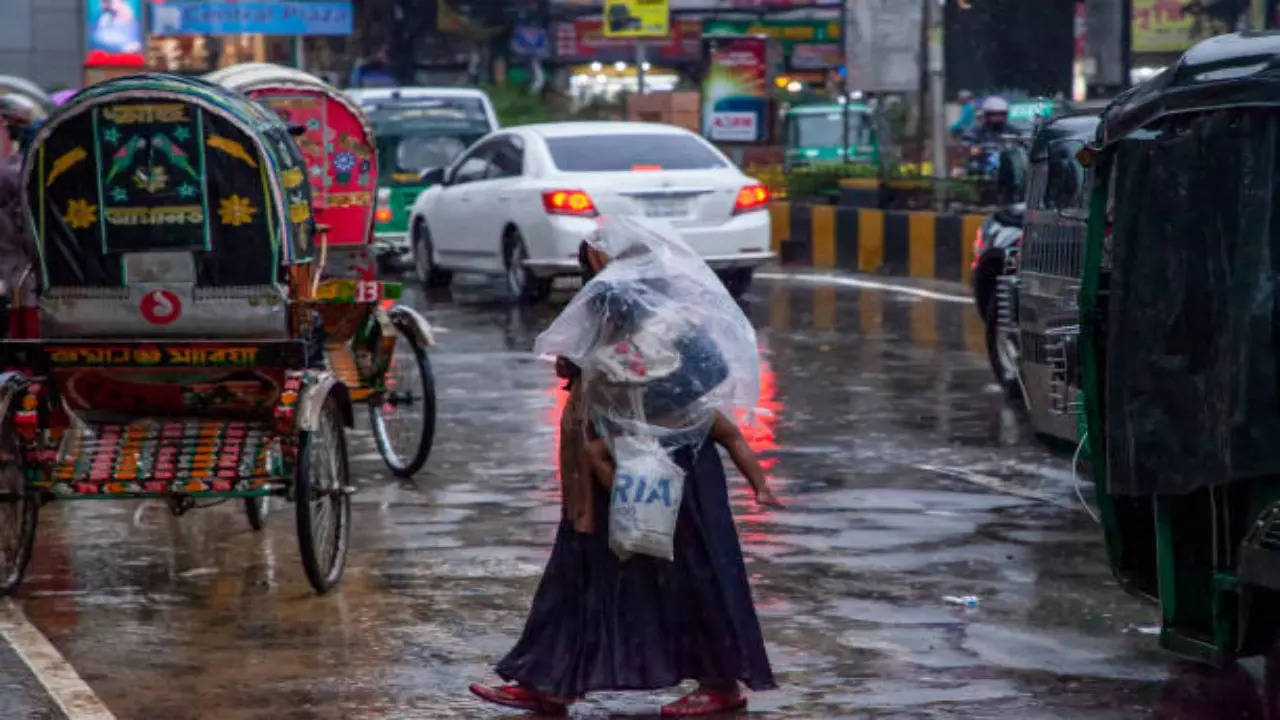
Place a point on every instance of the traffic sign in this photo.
(636, 18)
(529, 41)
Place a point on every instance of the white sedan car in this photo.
(521, 200)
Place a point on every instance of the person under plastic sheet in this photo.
(653, 345)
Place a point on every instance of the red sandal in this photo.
(704, 702)
(521, 698)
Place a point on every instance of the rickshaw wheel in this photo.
(322, 500)
(256, 509)
(19, 511)
(403, 417)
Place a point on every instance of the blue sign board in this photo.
(529, 41)
(195, 17)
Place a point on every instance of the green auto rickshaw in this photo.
(1180, 344)
(417, 128)
(815, 135)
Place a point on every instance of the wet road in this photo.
(907, 480)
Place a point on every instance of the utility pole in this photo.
(846, 17)
(937, 82)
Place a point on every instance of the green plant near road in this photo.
(821, 182)
(515, 105)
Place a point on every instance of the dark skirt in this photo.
(599, 623)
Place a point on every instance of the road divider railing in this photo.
(906, 243)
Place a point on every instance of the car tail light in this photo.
(568, 202)
(382, 212)
(751, 197)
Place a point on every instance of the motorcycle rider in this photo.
(995, 123)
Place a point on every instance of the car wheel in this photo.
(424, 264)
(522, 285)
(1002, 353)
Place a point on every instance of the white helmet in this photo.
(995, 104)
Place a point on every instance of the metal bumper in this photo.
(551, 267)
(390, 242)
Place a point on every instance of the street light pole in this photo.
(847, 37)
(937, 79)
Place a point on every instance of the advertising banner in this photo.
(583, 40)
(807, 44)
(113, 33)
(1164, 26)
(194, 17)
(735, 91)
(636, 18)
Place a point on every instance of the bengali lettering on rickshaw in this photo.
(133, 114)
(155, 355)
(171, 215)
(359, 198)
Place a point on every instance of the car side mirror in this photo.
(433, 176)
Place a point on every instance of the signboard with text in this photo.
(735, 91)
(197, 17)
(583, 40)
(636, 18)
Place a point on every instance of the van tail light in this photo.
(568, 202)
(382, 213)
(751, 197)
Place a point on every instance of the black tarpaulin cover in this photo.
(1191, 364)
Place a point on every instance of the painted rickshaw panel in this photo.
(337, 143)
(149, 170)
(156, 162)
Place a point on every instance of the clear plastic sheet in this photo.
(661, 344)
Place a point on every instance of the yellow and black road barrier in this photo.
(909, 243)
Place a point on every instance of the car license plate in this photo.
(666, 207)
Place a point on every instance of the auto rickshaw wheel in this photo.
(403, 416)
(323, 500)
(256, 509)
(19, 512)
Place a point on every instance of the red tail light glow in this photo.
(751, 197)
(382, 215)
(568, 202)
(977, 249)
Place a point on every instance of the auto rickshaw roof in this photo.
(1068, 127)
(215, 97)
(1233, 70)
(248, 77)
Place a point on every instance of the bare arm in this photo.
(727, 435)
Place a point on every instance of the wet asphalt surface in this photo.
(907, 479)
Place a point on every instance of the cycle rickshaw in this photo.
(179, 354)
(337, 145)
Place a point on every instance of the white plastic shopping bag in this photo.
(647, 490)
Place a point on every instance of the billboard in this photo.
(286, 17)
(636, 18)
(1164, 26)
(583, 40)
(735, 90)
(113, 33)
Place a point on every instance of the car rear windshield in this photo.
(612, 153)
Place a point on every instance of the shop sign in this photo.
(583, 40)
(636, 18)
(735, 91)
(194, 17)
